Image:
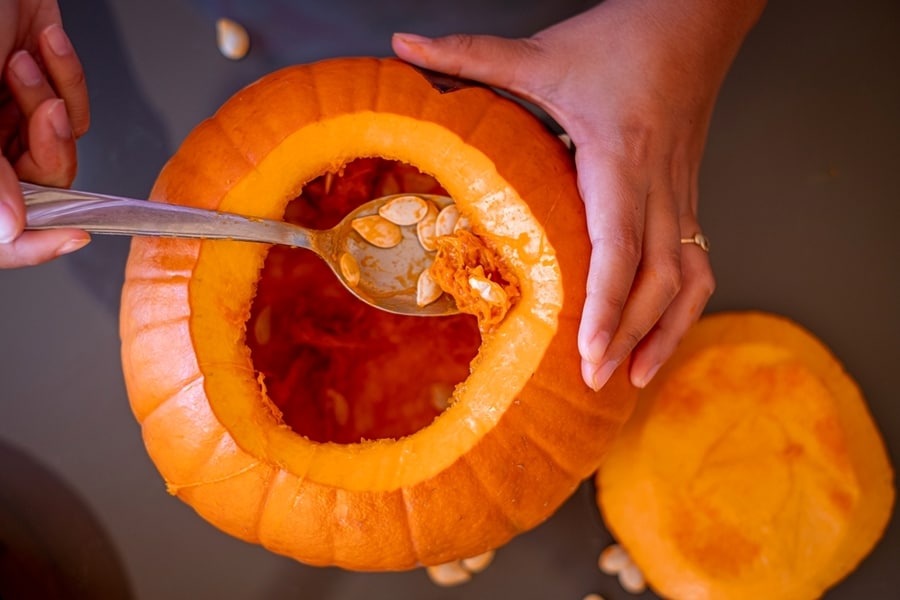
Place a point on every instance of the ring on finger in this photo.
(698, 239)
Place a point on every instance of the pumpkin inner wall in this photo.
(339, 370)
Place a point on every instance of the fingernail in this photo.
(25, 68)
(58, 40)
(603, 373)
(8, 229)
(412, 38)
(648, 376)
(72, 245)
(596, 348)
(59, 120)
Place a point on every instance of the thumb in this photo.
(488, 59)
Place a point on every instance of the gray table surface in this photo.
(799, 195)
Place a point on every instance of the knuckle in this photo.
(706, 281)
(668, 279)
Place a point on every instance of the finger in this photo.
(66, 75)
(656, 284)
(614, 195)
(27, 83)
(51, 158)
(35, 247)
(697, 288)
(491, 60)
(12, 210)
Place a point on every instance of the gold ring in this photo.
(698, 239)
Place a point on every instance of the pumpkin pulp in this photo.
(338, 369)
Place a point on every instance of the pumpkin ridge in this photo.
(177, 487)
(182, 387)
(241, 149)
(492, 496)
(592, 408)
(238, 150)
(267, 492)
(386, 101)
(212, 454)
(148, 327)
(408, 524)
(538, 444)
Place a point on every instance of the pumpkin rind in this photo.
(497, 462)
(751, 467)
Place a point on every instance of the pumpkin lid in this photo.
(751, 467)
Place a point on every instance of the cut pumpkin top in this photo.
(750, 469)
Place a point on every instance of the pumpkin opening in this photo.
(338, 369)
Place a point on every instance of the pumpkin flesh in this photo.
(338, 369)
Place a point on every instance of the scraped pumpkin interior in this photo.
(338, 369)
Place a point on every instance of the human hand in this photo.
(633, 83)
(43, 110)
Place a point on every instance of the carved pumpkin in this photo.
(290, 415)
(751, 467)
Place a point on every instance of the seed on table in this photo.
(427, 289)
(378, 231)
(425, 229)
(593, 597)
(232, 38)
(613, 559)
(404, 210)
(446, 220)
(632, 579)
(349, 268)
(478, 563)
(448, 574)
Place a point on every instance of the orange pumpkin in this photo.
(290, 415)
(750, 469)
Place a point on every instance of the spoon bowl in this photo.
(387, 276)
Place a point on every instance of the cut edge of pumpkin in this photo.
(495, 210)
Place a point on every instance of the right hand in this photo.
(43, 110)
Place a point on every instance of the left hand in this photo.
(43, 110)
(633, 83)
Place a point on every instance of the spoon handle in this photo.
(54, 208)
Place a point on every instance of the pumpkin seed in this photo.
(490, 291)
(349, 268)
(446, 220)
(262, 329)
(427, 289)
(378, 231)
(440, 396)
(340, 406)
(448, 574)
(425, 229)
(593, 597)
(632, 579)
(613, 559)
(404, 210)
(232, 38)
(477, 564)
(461, 223)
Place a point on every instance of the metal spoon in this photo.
(387, 279)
